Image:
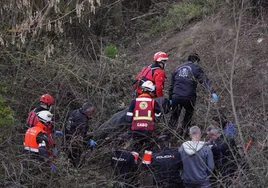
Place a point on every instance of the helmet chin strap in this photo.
(48, 107)
(44, 105)
(163, 65)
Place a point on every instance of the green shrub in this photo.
(181, 13)
(110, 51)
(6, 113)
(177, 16)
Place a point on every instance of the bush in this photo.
(110, 51)
(6, 113)
(177, 16)
(180, 14)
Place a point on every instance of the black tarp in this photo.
(117, 123)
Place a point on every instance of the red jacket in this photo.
(143, 114)
(156, 75)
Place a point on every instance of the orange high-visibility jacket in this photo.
(30, 143)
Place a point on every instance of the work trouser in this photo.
(177, 105)
(34, 166)
(142, 140)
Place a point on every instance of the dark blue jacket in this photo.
(77, 123)
(225, 152)
(124, 164)
(167, 166)
(184, 81)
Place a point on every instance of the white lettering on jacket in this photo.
(142, 124)
(165, 157)
(118, 159)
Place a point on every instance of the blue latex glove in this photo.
(92, 143)
(53, 167)
(214, 97)
(58, 133)
(170, 102)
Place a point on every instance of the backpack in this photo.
(146, 74)
(32, 119)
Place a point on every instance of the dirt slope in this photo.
(214, 40)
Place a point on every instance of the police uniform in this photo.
(124, 164)
(166, 165)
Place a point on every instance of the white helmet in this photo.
(148, 85)
(44, 116)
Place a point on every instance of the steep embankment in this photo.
(214, 39)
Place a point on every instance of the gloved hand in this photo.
(170, 102)
(52, 166)
(214, 97)
(92, 143)
(58, 133)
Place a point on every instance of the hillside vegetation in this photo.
(91, 50)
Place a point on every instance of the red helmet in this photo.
(47, 99)
(160, 56)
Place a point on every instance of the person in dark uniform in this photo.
(124, 163)
(182, 92)
(75, 132)
(224, 153)
(166, 165)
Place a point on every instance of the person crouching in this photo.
(142, 113)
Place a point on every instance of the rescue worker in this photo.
(155, 73)
(36, 138)
(182, 92)
(197, 159)
(124, 163)
(224, 152)
(141, 113)
(166, 165)
(46, 103)
(75, 131)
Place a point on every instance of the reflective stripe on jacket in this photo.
(30, 142)
(32, 121)
(143, 114)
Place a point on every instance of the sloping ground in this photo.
(214, 39)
